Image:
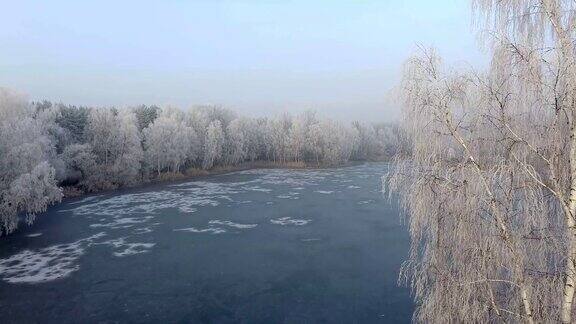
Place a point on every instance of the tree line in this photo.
(45, 147)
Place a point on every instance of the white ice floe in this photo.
(310, 240)
(122, 222)
(287, 177)
(232, 224)
(50, 263)
(149, 203)
(143, 230)
(85, 200)
(123, 248)
(256, 188)
(59, 261)
(290, 221)
(212, 230)
(290, 195)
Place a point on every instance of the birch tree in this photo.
(490, 185)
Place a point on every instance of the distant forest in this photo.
(47, 149)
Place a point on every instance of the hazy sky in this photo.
(257, 57)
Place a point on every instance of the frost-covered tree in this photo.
(170, 144)
(279, 135)
(265, 139)
(27, 181)
(490, 185)
(80, 164)
(73, 120)
(212, 113)
(299, 134)
(253, 137)
(367, 141)
(129, 154)
(213, 144)
(331, 142)
(31, 193)
(236, 147)
(115, 141)
(145, 115)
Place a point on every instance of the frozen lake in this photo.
(258, 246)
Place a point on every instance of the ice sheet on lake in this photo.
(129, 218)
(129, 210)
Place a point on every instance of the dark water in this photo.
(261, 246)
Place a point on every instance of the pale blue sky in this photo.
(257, 57)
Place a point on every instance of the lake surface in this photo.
(257, 246)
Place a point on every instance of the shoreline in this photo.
(71, 193)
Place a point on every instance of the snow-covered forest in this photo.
(45, 147)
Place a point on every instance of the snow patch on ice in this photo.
(310, 239)
(289, 221)
(85, 200)
(256, 188)
(46, 264)
(143, 230)
(290, 195)
(213, 230)
(124, 248)
(122, 222)
(232, 224)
